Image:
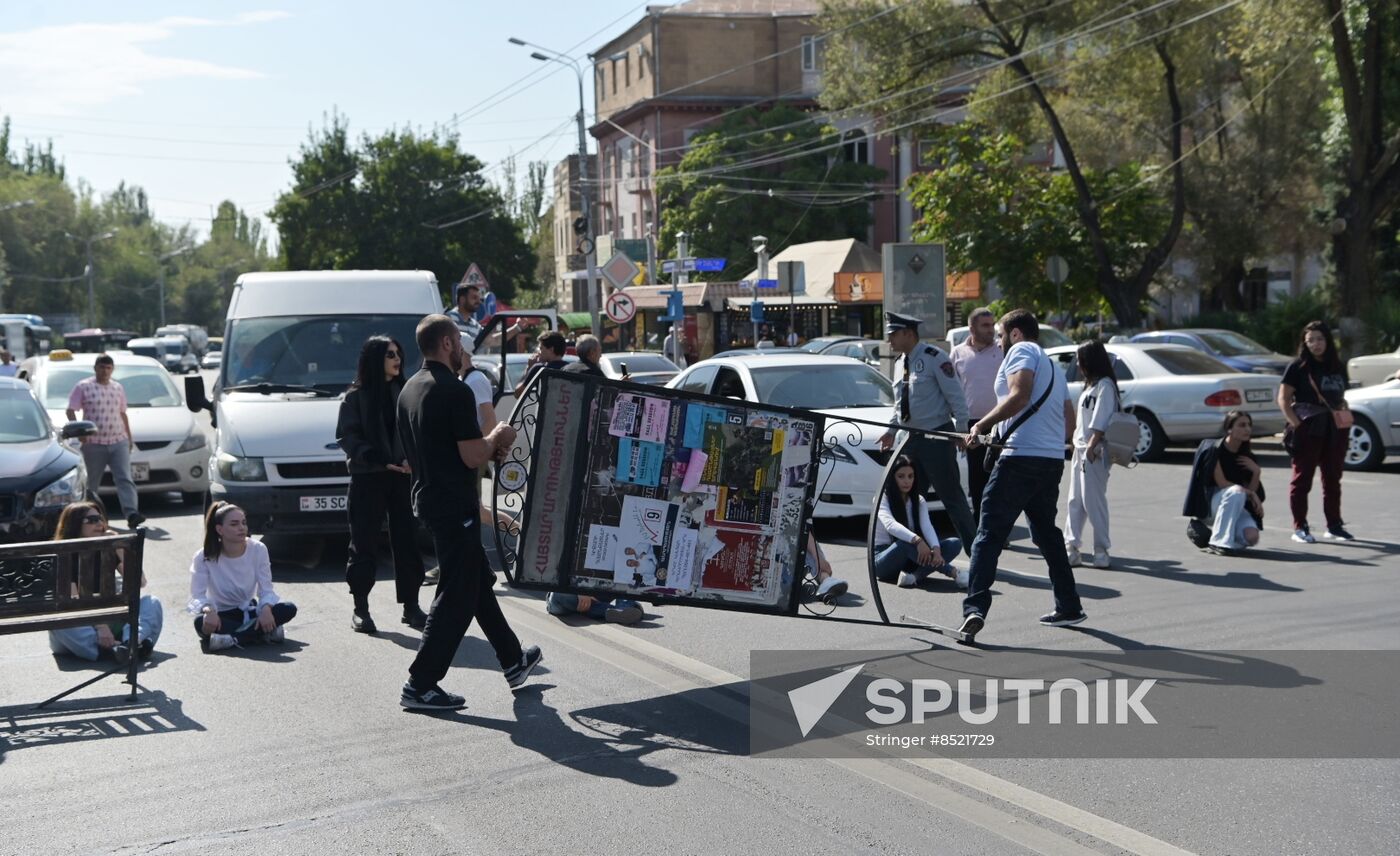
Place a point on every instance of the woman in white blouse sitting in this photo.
(231, 591)
(907, 548)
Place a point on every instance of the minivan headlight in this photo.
(67, 489)
(234, 468)
(196, 440)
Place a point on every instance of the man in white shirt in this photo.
(7, 364)
(1033, 419)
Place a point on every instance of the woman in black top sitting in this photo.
(1237, 498)
(1313, 400)
(379, 482)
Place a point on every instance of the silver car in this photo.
(1179, 394)
(1376, 430)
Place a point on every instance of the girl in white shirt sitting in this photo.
(231, 590)
(906, 546)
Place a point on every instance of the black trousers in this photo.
(464, 592)
(231, 619)
(372, 495)
(977, 475)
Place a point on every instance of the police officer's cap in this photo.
(894, 322)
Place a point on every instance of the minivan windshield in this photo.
(318, 351)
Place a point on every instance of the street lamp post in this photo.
(89, 271)
(544, 54)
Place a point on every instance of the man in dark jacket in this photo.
(590, 354)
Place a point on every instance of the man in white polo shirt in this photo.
(1033, 419)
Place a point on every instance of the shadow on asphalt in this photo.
(107, 717)
(616, 738)
(1171, 569)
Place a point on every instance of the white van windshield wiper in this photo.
(269, 388)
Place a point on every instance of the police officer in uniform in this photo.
(931, 398)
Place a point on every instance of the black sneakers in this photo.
(1062, 619)
(135, 519)
(529, 659)
(433, 698)
(1338, 533)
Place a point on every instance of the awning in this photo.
(654, 296)
(576, 320)
(778, 301)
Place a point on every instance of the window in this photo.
(614, 77)
(1120, 369)
(699, 380)
(729, 385)
(856, 146)
(809, 52)
(1180, 362)
(627, 69)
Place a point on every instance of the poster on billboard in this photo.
(663, 495)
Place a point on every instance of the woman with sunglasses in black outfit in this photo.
(379, 482)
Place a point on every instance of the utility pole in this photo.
(89, 272)
(160, 267)
(682, 278)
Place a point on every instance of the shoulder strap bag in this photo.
(994, 451)
(1341, 417)
(1122, 435)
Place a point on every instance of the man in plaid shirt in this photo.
(103, 402)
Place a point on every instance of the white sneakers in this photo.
(962, 577)
(1076, 558)
(1101, 559)
(219, 642)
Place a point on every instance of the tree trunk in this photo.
(1228, 276)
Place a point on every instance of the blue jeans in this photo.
(82, 641)
(900, 556)
(1020, 484)
(559, 603)
(1231, 509)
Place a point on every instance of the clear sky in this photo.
(199, 102)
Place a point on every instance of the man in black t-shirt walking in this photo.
(437, 424)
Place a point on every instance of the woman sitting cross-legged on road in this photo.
(906, 546)
(1237, 496)
(87, 520)
(231, 590)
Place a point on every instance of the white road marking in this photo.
(677, 672)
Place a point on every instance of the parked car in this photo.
(1049, 337)
(1376, 430)
(211, 360)
(172, 451)
(1375, 368)
(1179, 394)
(836, 386)
(41, 470)
(865, 350)
(515, 373)
(1235, 350)
(642, 366)
(197, 336)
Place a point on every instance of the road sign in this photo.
(709, 265)
(756, 312)
(474, 276)
(620, 307)
(675, 306)
(1056, 269)
(767, 283)
(671, 265)
(620, 270)
(635, 248)
(793, 277)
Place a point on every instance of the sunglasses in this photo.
(93, 519)
(392, 355)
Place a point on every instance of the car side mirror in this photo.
(75, 430)
(195, 397)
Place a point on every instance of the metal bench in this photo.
(50, 585)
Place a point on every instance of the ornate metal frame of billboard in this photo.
(564, 509)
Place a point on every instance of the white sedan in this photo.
(838, 387)
(171, 449)
(1376, 430)
(1374, 368)
(1179, 394)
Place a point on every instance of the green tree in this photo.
(1365, 36)
(902, 62)
(814, 194)
(1003, 216)
(398, 200)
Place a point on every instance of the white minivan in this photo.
(291, 344)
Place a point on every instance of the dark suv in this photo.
(39, 472)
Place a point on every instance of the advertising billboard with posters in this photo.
(662, 495)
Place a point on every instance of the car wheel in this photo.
(1364, 448)
(1152, 440)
